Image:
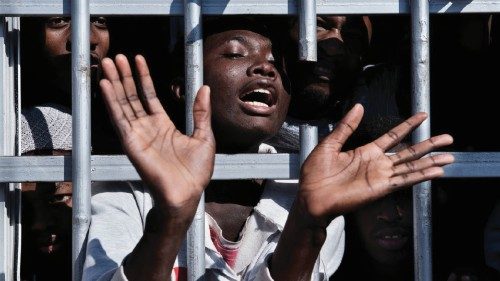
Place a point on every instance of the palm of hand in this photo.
(333, 183)
(167, 158)
(176, 167)
(352, 177)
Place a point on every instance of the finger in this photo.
(114, 109)
(111, 74)
(129, 86)
(420, 149)
(398, 133)
(344, 128)
(424, 163)
(416, 177)
(152, 102)
(202, 113)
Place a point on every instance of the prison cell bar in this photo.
(308, 137)
(237, 166)
(241, 7)
(307, 30)
(80, 85)
(422, 220)
(6, 148)
(193, 51)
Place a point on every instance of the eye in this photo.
(233, 55)
(100, 22)
(58, 22)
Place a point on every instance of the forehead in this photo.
(244, 37)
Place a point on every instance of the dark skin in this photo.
(57, 42)
(177, 169)
(317, 87)
(47, 227)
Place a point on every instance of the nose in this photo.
(390, 211)
(94, 39)
(263, 68)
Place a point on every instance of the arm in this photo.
(333, 183)
(176, 167)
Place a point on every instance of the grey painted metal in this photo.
(422, 215)
(193, 44)
(235, 7)
(308, 140)
(80, 79)
(15, 208)
(307, 30)
(9, 218)
(239, 166)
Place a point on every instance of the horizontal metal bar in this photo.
(112, 168)
(238, 7)
(239, 166)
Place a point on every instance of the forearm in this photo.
(298, 247)
(154, 256)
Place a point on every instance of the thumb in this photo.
(345, 128)
(202, 115)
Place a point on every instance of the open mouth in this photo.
(392, 238)
(94, 61)
(258, 98)
(50, 244)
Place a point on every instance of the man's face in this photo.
(47, 211)
(58, 48)
(317, 87)
(385, 227)
(249, 102)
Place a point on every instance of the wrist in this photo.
(161, 221)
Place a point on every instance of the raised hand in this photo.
(333, 182)
(176, 167)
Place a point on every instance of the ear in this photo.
(177, 89)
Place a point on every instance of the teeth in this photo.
(392, 236)
(264, 91)
(256, 103)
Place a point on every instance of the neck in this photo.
(241, 192)
(231, 148)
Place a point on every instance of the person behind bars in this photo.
(255, 230)
(379, 235)
(46, 207)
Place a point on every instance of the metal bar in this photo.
(239, 7)
(308, 140)
(8, 219)
(193, 44)
(422, 212)
(307, 31)
(80, 78)
(15, 208)
(239, 166)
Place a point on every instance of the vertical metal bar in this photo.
(307, 30)
(15, 53)
(422, 216)
(80, 79)
(308, 140)
(8, 220)
(193, 44)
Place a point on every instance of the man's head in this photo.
(318, 87)
(57, 31)
(46, 213)
(385, 226)
(249, 102)
(47, 49)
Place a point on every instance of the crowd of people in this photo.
(347, 217)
